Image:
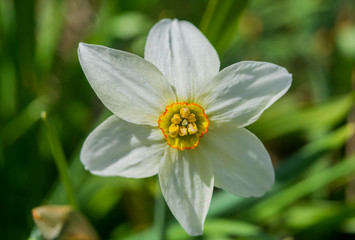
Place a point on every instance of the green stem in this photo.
(60, 161)
(160, 211)
(207, 16)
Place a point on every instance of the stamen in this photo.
(191, 118)
(173, 130)
(192, 128)
(176, 119)
(184, 112)
(182, 131)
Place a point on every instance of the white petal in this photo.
(129, 86)
(241, 164)
(120, 148)
(183, 55)
(241, 92)
(186, 182)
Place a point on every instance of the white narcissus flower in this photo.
(176, 115)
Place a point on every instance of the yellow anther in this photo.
(191, 118)
(184, 112)
(176, 119)
(192, 128)
(182, 131)
(173, 130)
(184, 122)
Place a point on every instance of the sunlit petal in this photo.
(241, 164)
(129, 86)
(186, 182)
(120, 148)
(183, 55)
(241, 92)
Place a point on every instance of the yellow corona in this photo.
(183, 124)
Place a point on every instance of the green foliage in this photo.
(309, 132)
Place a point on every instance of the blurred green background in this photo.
(309, 132)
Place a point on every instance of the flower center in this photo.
(183, 124)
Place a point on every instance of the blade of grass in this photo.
(207, 15)
(327, 224)
(49, 24)
(8, 88)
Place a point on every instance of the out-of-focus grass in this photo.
(309, 132)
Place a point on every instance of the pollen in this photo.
(183, 124)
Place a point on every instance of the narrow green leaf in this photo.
(329, 221)
(49, 20)
(207, 16)
(8, 88)
(309, 213)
